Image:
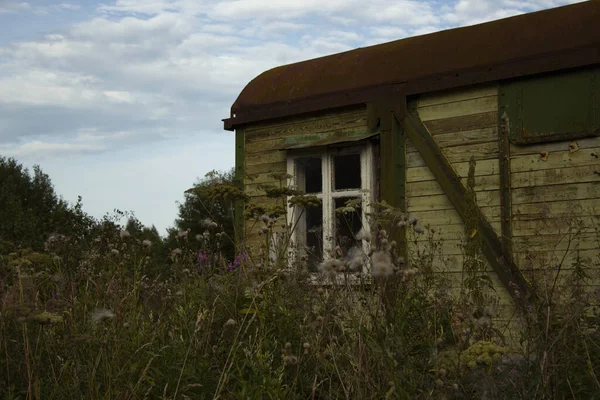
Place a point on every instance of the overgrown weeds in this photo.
(115, 321)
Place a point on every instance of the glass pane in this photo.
(348, 222)
(347, 171)
(314, 237)
(311, 170)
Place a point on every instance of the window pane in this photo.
(348, 222)
(311, 170)
(347, 171)
(314, 236)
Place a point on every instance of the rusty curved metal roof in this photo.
(543, 41)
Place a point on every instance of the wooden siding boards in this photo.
(463, 124)
(550, 183)
(556, 207)
(263, 155)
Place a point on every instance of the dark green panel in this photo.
(552, 107)
(383, 115)
(240, 172)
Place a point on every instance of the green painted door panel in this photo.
(552, 107)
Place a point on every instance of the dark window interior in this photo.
(314, 236)
(347, 223)
(313, 174)
(347, 171)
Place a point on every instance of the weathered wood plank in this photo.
(268, 157)
(429, 188)
(448, 217)
(556, 176)
(454, 95)
(275, 167)
(556, 243)
(454, 231)
(565, 208)
(483, 135)
(458, 108)
(552, 226)
(586, 143)
(484, 167)
(482, 151)
(570, 191)
(462, 123)
(263, 178)
(540, 263)
(311, 122)
(558, 159)
(441, 202)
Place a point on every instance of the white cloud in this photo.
(143, 73)
(14, 6)
(42, 150)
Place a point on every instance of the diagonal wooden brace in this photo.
(510, 276)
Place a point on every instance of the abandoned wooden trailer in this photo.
(402, 119)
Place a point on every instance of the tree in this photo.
(207, 202)
(30, 210)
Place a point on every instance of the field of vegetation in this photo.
(107, 308)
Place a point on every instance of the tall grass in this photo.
(112, 322)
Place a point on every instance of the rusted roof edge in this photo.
(572, 58)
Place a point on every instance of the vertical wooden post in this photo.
(392, 157)
(239, 177)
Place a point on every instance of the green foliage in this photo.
(211, 200)
(30, 210)
(110, 311)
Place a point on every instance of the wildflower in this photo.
(363, 234)
(266, 219)
(419, 229)
(290, 360)
(198, 237)
(330, 267)
(203, 258)
(401, 224)
(338, 251)
(439, 383)
(114, 252)
(288, 346)
(230, 323)
(381, 263)
(124, 234)
(356, 259)
(209, 223)
(184, 234)
(413, 220)
(175, 252)
(409, 274)
(102, 314)
(146, 243)
(321, 291)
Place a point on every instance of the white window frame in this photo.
(328, 195)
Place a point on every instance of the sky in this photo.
(121, 102)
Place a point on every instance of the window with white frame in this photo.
(342, 178)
